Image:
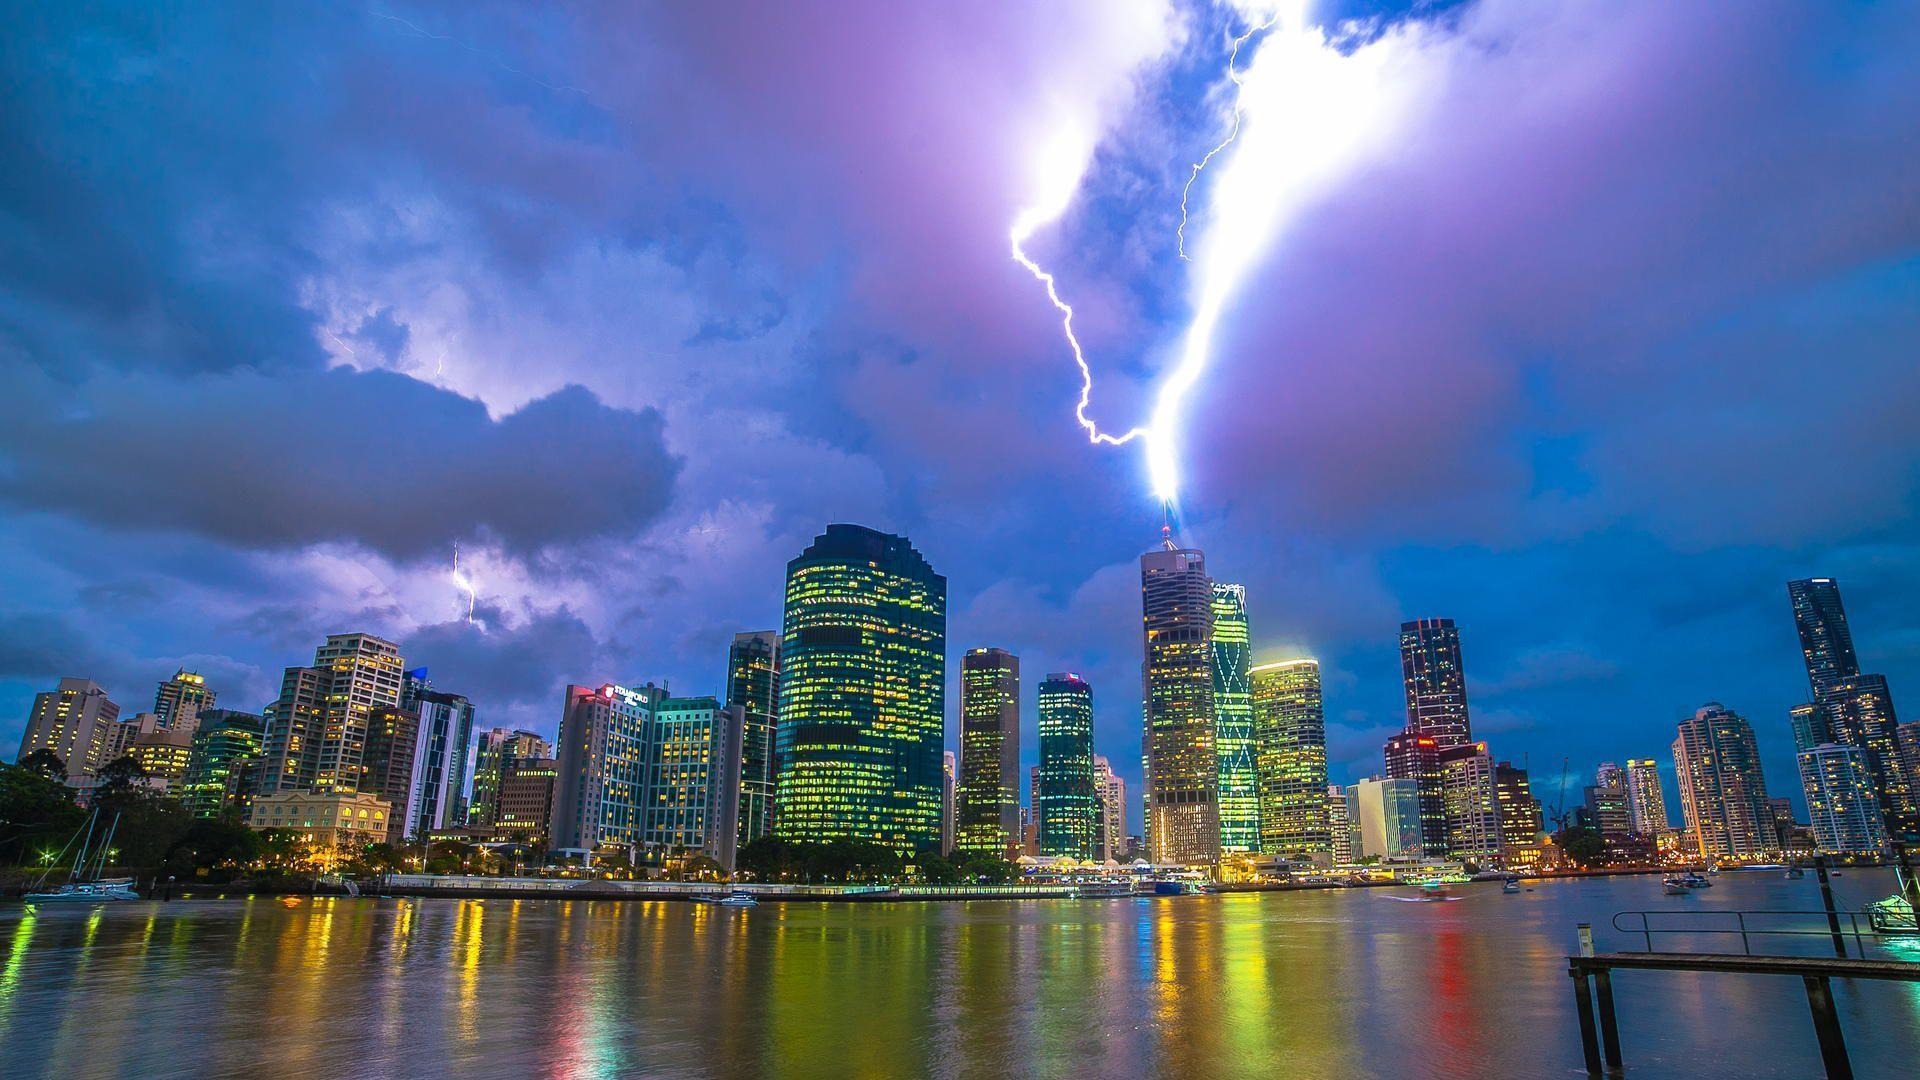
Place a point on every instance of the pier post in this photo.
(1609, 1026)
(1826, 901)
(1826, 1024)
(1583, 1004)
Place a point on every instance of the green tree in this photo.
(37, 811)
(218, 848)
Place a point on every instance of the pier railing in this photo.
(1768, 926)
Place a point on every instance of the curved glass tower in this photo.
(862, 692)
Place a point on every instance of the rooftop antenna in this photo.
(1166, 525)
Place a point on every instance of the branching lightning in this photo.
(464, 582)
(1310, 110)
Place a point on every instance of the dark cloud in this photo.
(34, 645)
(514, 668)
(371, 458)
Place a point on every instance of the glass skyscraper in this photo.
(1290, 738)
(1723, 794)
(222, 740)
(753, 684)
(1066, 803)
(1840, 803)
(1233, 725)
(862, 692)
(1181, 761)
(1435, 681)
(691, 798)
(1854, 709)
(988, 789)
(602, 760)
(437, 796)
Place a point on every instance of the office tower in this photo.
(1233, 725)
(1646, 802)
(1607, 805)
(180, 700)
(1520, 822)
(223, 740)
(1435, 681)
(1856, 709)
(1290, 738)
(1809, 724)
(495, 752)
(1066, 801)
(523, 807)
(1112, 790)
(949, 775)
(691, 798)
(862, 692)
(1840, 803)
(1414, 757)
(1723, 795)
(436, 791)
(1791, 834)
(386, 769)
(164, 756)
(1472, 805)
(602, 756)
(989, 786)
(316, 732)
(1339, 827)
(753, 685)
(1384, 817)
(71, 721)
(1181, 760)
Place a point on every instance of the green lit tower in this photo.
(862, 692)
(1291, 732)
(1233, 740)
(988, 796)
(1065, 800)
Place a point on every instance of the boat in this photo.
(1696, 881)
(1675, 887)
(1510, 885)
(1794, 873)
(738, 898)
(1177, 887)
(85, 883)
(1894, 915)
(1105, 889)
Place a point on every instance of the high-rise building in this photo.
(1384, 817)
(1520, 822)
(164, 756)
(495, 753)
(223, 740)
(691, 797)
(989, 786)
(1181, 759)
(436, 789)
(1112, 791)
(1472, 804)
(1907, 738)
(862, 692)
(949, 778)
(180, 700)
(1415, 757)
(1607, 803)
(1290, 736)
(1339, 827)
(523, 807)
(753, 685)
(1840, 803)
(1608, 774)
(316, 736)
(1723, 794)
(387, 766)
(72, 721)
(1233, 725)
(1435, 681)
(121, 736)
(1066, 802)
(1646, 802)
(1855, 709)
(602, 758)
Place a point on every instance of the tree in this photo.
(45, 762)
(213, 847)
(37, 811)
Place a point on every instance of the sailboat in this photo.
(84, 884)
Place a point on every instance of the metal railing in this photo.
(1836, 926)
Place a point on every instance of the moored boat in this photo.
(85, 883)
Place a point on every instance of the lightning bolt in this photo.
(1239, 89)
(464, 582)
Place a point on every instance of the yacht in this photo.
(738, 898)
(1675, 887)
(84, 884)
(1696, 881)
(1510, 885)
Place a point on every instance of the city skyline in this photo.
(1575, 449)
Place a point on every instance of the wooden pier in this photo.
(1593, 978)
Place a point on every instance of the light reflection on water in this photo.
(1309, 984)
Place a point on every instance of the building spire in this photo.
(1166, 527)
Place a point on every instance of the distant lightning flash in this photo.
(1310, 109)
(462, 580)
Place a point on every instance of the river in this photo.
(1340, 983)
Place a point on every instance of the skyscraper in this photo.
(1855, 709)
(1290, 738)
(602, 759)
(1233, 727)
(949, 778)
(1339, 826)
(989, 785)
(1112, 791)
(1435, 681)
(1723, 794)
(1520, 822)
(1066, 803)
(1646, 803)
(753, 684)
(862, 692)
(1608, 807)
(523, 805)
(223, 740)
(1472, 804)
(1416, 758)
(180, 700)
(72, 721)
(436, 795)
(1384, 816)
(316, 732)
(1181, 759)
(1840, 803)
(386, 766)
(497, 750)
(691, 796)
